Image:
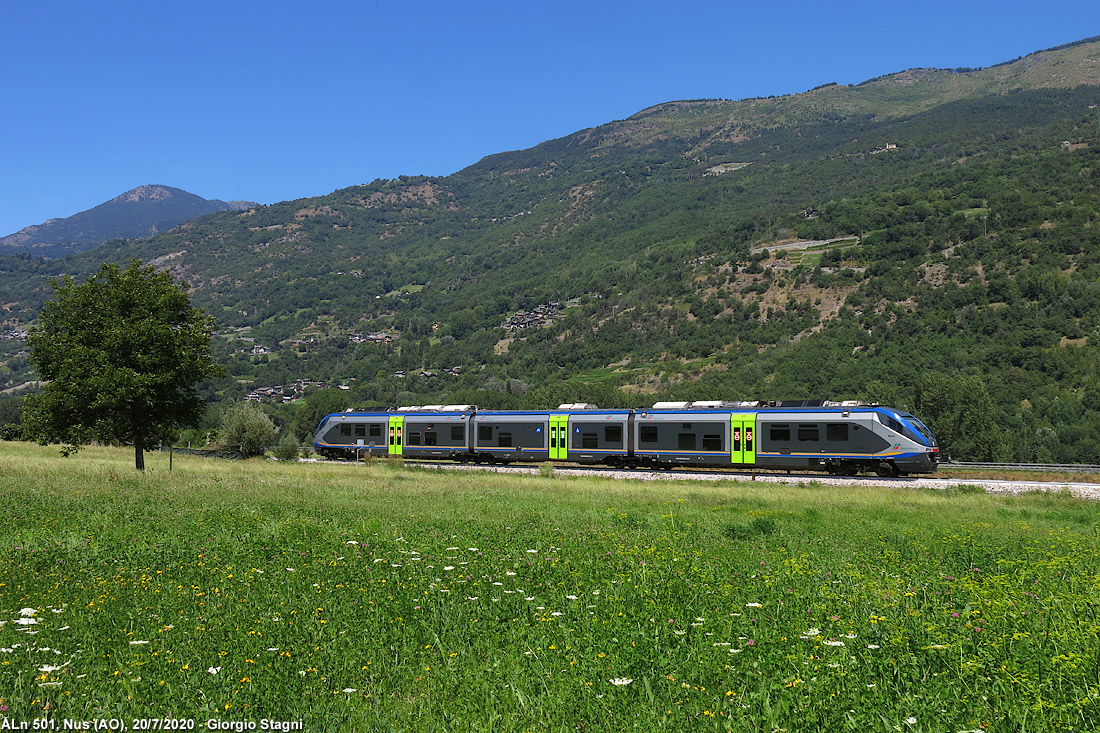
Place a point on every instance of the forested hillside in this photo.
(954, 269)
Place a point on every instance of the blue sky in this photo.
(282, 100)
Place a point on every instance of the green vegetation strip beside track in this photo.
(1067, 467)
(389, 598)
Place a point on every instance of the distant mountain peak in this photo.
(140, 212)
(148, 193)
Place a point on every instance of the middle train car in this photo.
(837, 437)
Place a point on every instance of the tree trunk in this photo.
(139, 456)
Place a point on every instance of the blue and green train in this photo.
(842, 438)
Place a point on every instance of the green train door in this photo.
(397, 438)
(559, 437)
(743, 439)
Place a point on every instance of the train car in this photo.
(842, 438)
(693, 433)
(579, 433)
(845, 440)
(592, 435)
(361, 433)
(433, 431)
(506, 436)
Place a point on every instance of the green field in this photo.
(380, 597)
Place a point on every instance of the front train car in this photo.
(916, 448)
(845, 439)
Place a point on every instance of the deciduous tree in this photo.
(122, 354)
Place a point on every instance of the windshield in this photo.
(921, 427)
(893, 421)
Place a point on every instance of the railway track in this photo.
(977, 465)
(993, 486)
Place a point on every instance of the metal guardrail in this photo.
(1067, 467)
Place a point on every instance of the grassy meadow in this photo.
(380, 597)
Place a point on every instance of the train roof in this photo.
(667, 406)
(743, 404)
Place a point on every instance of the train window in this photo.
(376, 431)
(412, 439)
(345, 430)
(360, 431)
(685, 441)
(590, 440)
(712, 442)
(431, 437)
(647, 434)
(780, 433)
(504, 440)
(807, 433)
(484, 433)
(836, 432)
(458, 432)
(613, 433)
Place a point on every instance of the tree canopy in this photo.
(122, 354)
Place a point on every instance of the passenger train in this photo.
(842, 438)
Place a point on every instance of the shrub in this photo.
(287, 450)
(11, 431)
(247, 429)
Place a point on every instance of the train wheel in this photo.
(887, 470)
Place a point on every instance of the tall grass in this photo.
(379, 598)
